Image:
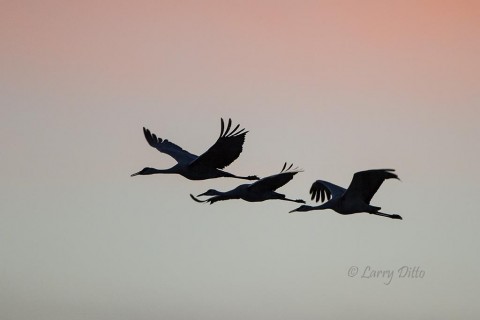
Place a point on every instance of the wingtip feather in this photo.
(229, 125)
(222, 126)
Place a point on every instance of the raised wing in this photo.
(366, 183)
(226, 149)
(273, 182)
(165, 146)
(325, 190)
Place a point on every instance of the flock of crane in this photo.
(356, 198)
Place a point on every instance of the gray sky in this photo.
(334, 87)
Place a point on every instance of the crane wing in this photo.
(226, 149)
(366, 183)
(273, 182)
(325, 190)
(167, 147)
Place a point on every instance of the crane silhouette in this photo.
(261, 190)
(356, 198)
(222, 153)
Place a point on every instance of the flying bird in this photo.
(356, 198)
(261, 190)
(222, 153)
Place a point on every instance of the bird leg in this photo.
(248, 178)
(230, 175)
(297, 201)
(391, 216)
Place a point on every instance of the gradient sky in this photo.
(332, 86)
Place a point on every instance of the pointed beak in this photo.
(294, 210)
(195, 199)
(201, 194)
(133, 175)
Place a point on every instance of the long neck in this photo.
(217, 193)
(157, 171)
(227, 195)
(232, 194)
(224, 196)
(169, 170)
(327, 205)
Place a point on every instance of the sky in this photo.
(334, 87)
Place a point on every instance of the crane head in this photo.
(144, 171)
(210, 192)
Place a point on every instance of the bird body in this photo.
(261, 190)
(356, 198)
(340, 205)
(209, 165)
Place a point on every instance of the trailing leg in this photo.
(391, 216)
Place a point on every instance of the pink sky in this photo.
(413, 61)
(356, 45)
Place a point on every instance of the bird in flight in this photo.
(222, 153)
(261, 190)
(356, 198)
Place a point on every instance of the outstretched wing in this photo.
(325, 190)
(226, 149)
(366, 183)
(273, 182)
(165, 146)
